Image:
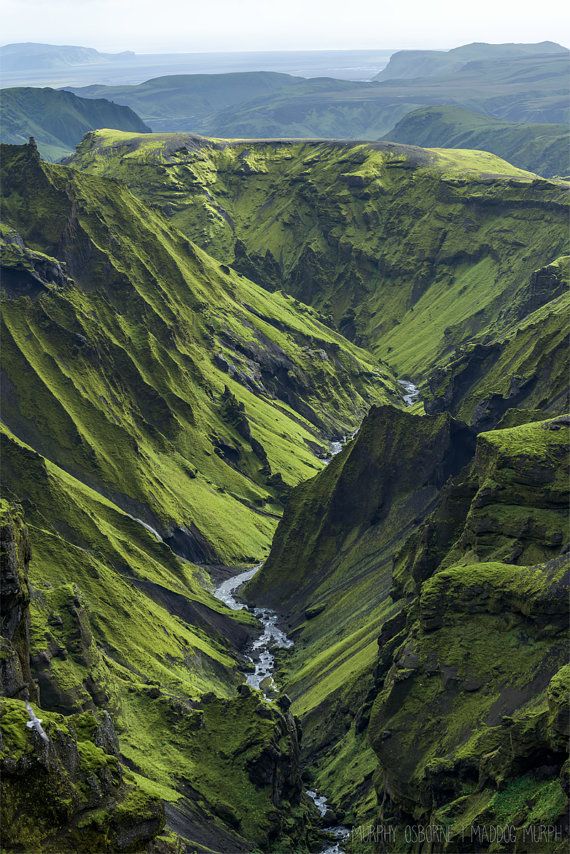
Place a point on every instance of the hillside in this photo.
(423, 581)
(59, 120)
(398, 244)
(170, 383)
(413, 64)
(544, 149)
(188, 101)
(157, 408)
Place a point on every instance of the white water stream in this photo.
(263, 659)
(411, 392)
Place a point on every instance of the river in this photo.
(273, 638)
(411, 392)
(263, 660)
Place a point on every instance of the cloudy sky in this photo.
(208, 25)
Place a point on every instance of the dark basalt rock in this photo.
(63, 786)
(187, 541)
(15, 554)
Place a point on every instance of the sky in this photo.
(242, 25)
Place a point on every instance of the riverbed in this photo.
(262, 658)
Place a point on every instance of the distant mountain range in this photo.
(529, 84)
(411, 64)
(31, 64)
(26, 56)
(503, 98)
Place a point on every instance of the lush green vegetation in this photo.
(471, 630)
(544, 149)
(59, 120)
(170, 383)
(412, 252)
(168, 404)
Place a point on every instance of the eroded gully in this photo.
(272, 638)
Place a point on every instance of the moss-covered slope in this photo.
(412, 252)
(118, 623)
(171, 384)
(158, 406)
(469, 723)
(329, 572)
(524, 368)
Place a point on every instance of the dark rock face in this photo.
(472, 686)
(15, 676)
(187, 541)
(278, 768)
(62, 784)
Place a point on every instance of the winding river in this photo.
(273, 638)
(263, 660)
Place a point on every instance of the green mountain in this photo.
(189, 101)
(413, 64)
(412, 252)
(59, 120)
(544, 149)
(521, 83)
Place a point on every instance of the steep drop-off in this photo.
(426, 589)
(329, 573)
(166, 381)
(412, 252)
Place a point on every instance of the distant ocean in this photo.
(342, 64)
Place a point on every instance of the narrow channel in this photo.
(263, 660)
(272, 638)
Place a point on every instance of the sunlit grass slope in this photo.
(411, 251)
(173, 385)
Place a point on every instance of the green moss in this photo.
(332, 226)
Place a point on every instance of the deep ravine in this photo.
(272, 638)
(263, 661)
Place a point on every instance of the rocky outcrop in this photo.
(69, 791)
(62, 783)
(15, 552)
(472, 689)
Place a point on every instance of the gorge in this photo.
(285, 486)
